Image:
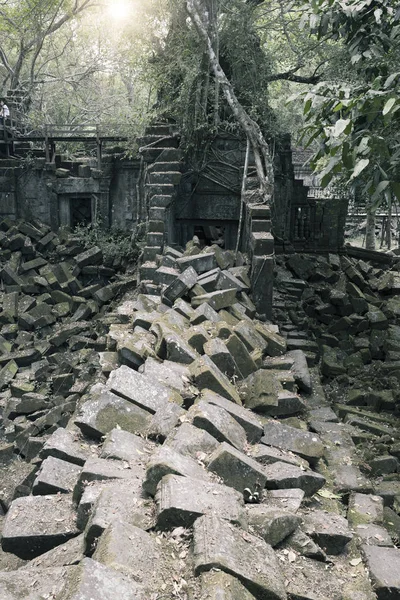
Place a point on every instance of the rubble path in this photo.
(203, 463)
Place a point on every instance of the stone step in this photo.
(164, 177)
(160, 189)
(164, 166)
(158, 141)
(151, 155)
(160, 129)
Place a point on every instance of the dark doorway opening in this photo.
(80, 211)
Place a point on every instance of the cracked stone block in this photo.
(307, 445)
(219, 545)
(191, 441)
(217, 585)
(178, 288)
(364, 509)
(91, 580)
(328, 530)
(100, 469)
(250, 337)
(207, 376)
(141, 390)
(276, 343)
(300, 371)
(267, 455)
(236, 469)
(218, 423)
(271, 523)
(87, 502)
(55, 476)
(32, 585)
(166, 460)
(384, 569)
(260, 390)
(68, 554)
(181, 500)
(252, 426)
(284, 476)
(173, 347)
(7, 373)
(65, 332)
(92, 256)
(196, 337)
(122, 445)
(123, 500)
(243, 359)
(35, 524)
(105, 411)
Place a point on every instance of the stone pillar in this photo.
(261, 252)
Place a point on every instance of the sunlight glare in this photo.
(119, 9)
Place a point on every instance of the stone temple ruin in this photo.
(213, 426)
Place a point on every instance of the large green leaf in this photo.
(359, 167)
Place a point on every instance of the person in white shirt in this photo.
(4, 112)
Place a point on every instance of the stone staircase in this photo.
(160, 151)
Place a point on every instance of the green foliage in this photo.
(356, 118)
(116, 244)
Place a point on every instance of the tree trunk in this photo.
(389, 220)
(370, 229)
(259, 146)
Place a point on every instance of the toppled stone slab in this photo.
(171, 374)
(364, 509)
(55, 476)
(165, 420)
(141, 390)
(307, 445)
(260, 390)
(189, 440)
(328, 530)
(36, 524)
(118, 549)
(100, 469)
(93, 581)
(252, 426)
(236, 469)
(218, 423)
(267, 455)
(272, 524)
(288, 499)
(200, 262)
(207, 376)
(373, 535)
(218, 544)
(105, 411)
(63, 445)
(122, 445)
(384, 569)
(167, 461)
(122, 500)
(301, 543)
(181, 500)
(284, 476)
(217, 300)
(310, 580)
(68, 554)
(301, 371)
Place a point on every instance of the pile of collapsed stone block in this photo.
(205, 463)
(52, 302)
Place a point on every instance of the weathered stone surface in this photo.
(300, 371)
(300, 542)
(218, 544)
(175, 348)
(65, 332)
(35, 585)
(122, 445)
(94, 581)
(249, 335)
(200, 262)
(171, 374)
(100, 469)
(118, 549)
(271, 523)
(204, 312)
(217, 300)
(140, 389)
(192, 441)
(105, 411)
(55, 476)
(260, 391)
(35, 524)
(364, 509)
(63, 444)
(328, 530)
(384, 570)
(217, 585)
(166, 461)
(165, 420)
(267, 455)
(373, 535)
(244, 361)
(310, 580)
(221, 357)
(289, 499)
(236, 469)
(67, 554)
(283, 476)
(305, 444)
(122, 500)
(218, 423)
(181, 500)
(207, 376)
(252, 426)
